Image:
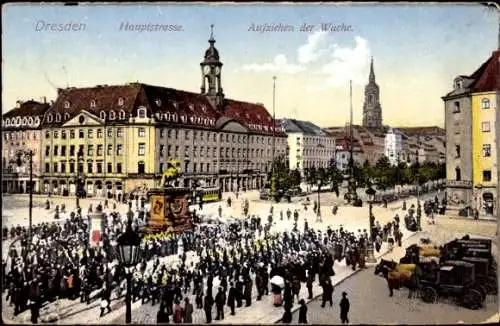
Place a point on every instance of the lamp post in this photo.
(318, 211)
(19, 161)
(417, 180)
(371, 197)
(128, 248)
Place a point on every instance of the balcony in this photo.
(459, 184)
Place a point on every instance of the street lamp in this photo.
(318, 211)
(371, 197)
(19, 161)
(129, 254)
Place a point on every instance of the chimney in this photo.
(18, 104)
(44, 99)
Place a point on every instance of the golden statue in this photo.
(172, 173)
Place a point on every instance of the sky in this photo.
(417, 49)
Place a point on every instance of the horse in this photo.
(399, 275)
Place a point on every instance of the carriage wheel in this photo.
(429, 294)
(481, 288)
(491, 285)
(472, 299)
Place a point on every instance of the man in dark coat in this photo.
(344, 308)
(231, 298)
(303, 312)
(309, 284)
(327, 293)
(248, 292)
(207, 306)
(220, 301)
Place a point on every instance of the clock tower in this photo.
(372, 111)
(211, 73)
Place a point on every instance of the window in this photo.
(486, 150)
(56, 134)
(118, 168)
(142, 149)
(162, 147)
(112, 115)
(99, 167)
(485, 103)
(47, 134)
(122, 115)
(458, 176)
(162, 166)
(63, 150)
(72, 150)
(140, 167)
(102, 115)
(141, 132)
(63, 167)
(63, 134)
(177, 134)
(99, 150)
(110, 132)
(81, 134)
(186, 133)
(91, 133)
(120, 101)
(89, 167)
(457, 150)
(110, 168)
(227, 138)
(141, 113)
(119, 149)
(456, 107)
(176, 151)
(47, 167)
(169, 148)
(55, 167)
(119, 132)
(162, 133)
(92, 103)
(202, 150)
(80, 167)
(169, 133)
(485, 126)
(487, 175)
(90, 150)
(66, 105)
(110, 150)
(195, 150)
(208, 167)
(99, 133)
(72, 134)
(47, 151)
(72, 167)
(194, 167)
(201, 135)
(186, 151)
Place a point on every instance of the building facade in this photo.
(471, 158)
(372, 111)
(21, 131)
(394, 146)
(309, 145)
(116, 139)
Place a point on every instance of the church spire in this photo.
(371, 79)
(211, 40)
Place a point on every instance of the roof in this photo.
(26, 109)
(487, 77)
(190, 109)
(306, 127)
(414, 131)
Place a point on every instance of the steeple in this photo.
(211, 67)
(371, 78)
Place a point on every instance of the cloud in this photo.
(346, 63)
(279, 64)
(311, 51)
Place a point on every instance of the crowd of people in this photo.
(217, 264)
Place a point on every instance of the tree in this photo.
(383, 173)
(295, 178)
(335, 177)
(310, 174)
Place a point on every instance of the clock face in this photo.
(206, 69)
(217, 70)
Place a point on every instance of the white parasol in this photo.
(278, 281)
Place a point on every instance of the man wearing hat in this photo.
(344, 308)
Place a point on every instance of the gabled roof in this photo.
(305, 127)
(487, 77)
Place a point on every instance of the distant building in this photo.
(394, 146)
(22, 131)
(342, 153)
(471, 156)
(309, 145)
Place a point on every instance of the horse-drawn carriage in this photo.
(454, 278)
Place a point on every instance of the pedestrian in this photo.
(344, 308)
(207, 306)
(220, 301)
(187, 311)
(309, 284)
(302, 312)
(177, 312)
(162, 316)
(248, 292)
(231, 298)
(327, 293)
(287, 316)
(105, 299)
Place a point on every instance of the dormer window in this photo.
(204, 108)
(67, 105)
(456, 107)
(258, 116)
(7, 122)
(191, 107)
(122, 115)
(49, 118)
(112, 115)
(458, 83)
(66, 116)
(92, 103)
(247, 115)
(485, 103)
(30, 121)
(25, 121)
(58, 117)
(158, 102)
(141, 113)
(102, 115)
(175, 104)
(120, 101)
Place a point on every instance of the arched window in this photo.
(30, 121)
(7, 122)
(58, 117)
(102, 115)
(49, 118)
(92, 103)
(120, 101)
(141, 113)
(66, 116)
(67, 105)
(122, 115)
(37, 120)
(485, 103)
(25, 121)
(158, 102)
(112, 115)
